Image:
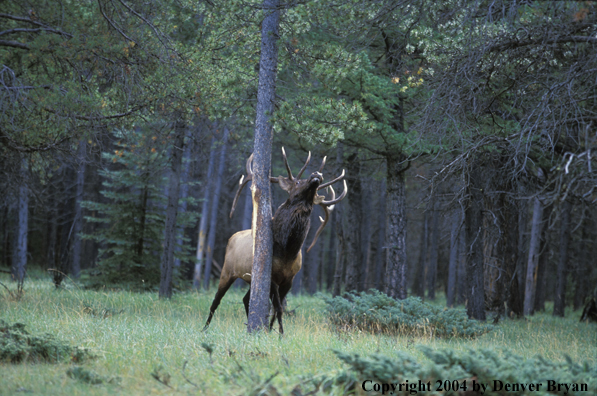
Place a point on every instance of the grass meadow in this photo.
(137, 337)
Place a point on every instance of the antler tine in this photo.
(324, 185)
(327, 210)
(322, 164)
(321, 227)
(287, 166)
(304, 166)
(242, 182)
(335, 200)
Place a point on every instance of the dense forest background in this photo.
(467, 130)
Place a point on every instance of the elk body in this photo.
(291, 223)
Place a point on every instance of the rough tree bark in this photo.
(331, 256)
(511, 255)
(204, 216)
(339, 230)
(581, 277)
(559, 305)
(540, 292)
(380, 253)
(184, 188)
(20, 262)
(396, 267)
(213, 217)
(312, 259)
(533, 258)
(461, 272)
(453, 266)
(262, 156)
(366, 238)
(418, 285)
(474, 244)
(521, 261)
(167, 261)
(78, 222)
(354, 265)
(433, 252)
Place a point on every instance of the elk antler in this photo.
(285, 182)
(242, 182)
(327, 206)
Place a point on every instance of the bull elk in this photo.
(290, 223)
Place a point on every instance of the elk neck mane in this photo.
(291, 225)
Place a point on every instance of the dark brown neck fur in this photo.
(290, 228)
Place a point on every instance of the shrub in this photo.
(377, 312)
(449, 369)
(17, 345)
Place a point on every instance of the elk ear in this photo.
(285, 183)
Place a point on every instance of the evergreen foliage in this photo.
(483, 366)
(17, 345)
(90, 377)
(376, 312)
(134, 216)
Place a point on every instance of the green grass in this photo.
(135, 335)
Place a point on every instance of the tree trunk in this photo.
(312, 260)
(433, 253)
(559, 305)
(453, 266)
(184, 188)
(339, 230)
(380, 253)
(522, 259)
(78, 222)
(331, 256)
(354, 248)
(396, 233)
(583, 267)
(533, 260)
(461, 272)
(543, 263)
(167, 262)
(366, 238)
(204, 215)
(510, 254)
(474, 245)
(20, 263)
(213, 219)
(418, 286)
(6, 240)
(260, 188)
(494, 240)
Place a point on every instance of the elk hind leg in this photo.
(223, 287)
(246, 300)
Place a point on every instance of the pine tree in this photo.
(134, 216)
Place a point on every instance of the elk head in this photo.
(303, 193)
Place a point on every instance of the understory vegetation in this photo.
(377, 312)
(143, 345)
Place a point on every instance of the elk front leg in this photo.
(275, 296)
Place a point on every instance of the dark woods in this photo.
(470, 165)
(486, 232)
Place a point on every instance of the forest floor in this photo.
(144, 345)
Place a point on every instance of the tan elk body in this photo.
(290, 225)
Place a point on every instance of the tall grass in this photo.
(135, 335)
